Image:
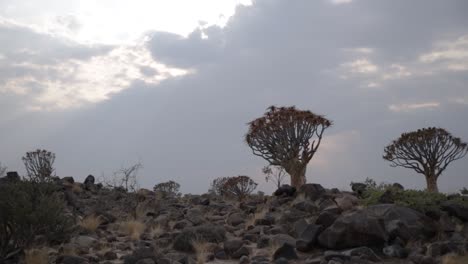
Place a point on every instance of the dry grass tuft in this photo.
(156, 231)
(258, 215)
(91, 223)
(201, 250)
(300, 198)
(69, 249)
(76, 188)
(454, 259)
(273, 247)
(133, 228)
(36, 256)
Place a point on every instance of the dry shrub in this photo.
(156, 231)
(133, 228)
(91, 222)
(36, 256)
(76, 188)
(454, 259)
(259, 214)
(69, 250)
(273, 247)
(300, 198)
(202, 250)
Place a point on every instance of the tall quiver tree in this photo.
(428, 151)
(287, 137)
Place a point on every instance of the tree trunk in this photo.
(432, 183)
(298, 176)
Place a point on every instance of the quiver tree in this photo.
(275, 174)
(428, 151)
(287, 137)
(170, 188)
(239, 186)
(39, 165)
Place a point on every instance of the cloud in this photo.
(450, 55)
(340, 2)
(363, 66)
(71, 75)
(413, 107)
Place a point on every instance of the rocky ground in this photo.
(313, 225)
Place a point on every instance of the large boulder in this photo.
(376, 225)
(285, 190)
(308, 237)
(456, 209)
(312, 191)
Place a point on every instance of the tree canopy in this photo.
(428, 151)
(287, 137)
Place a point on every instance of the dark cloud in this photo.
(301, 53)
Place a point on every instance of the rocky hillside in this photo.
(312, 225)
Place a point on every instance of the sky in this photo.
(172, 84)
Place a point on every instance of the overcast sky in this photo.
(105, 84)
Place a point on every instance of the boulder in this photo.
(312, 191)
(281, 239)
(68, 259)
(68, 180)
(326, 218)
(11, 176)
(308, 237)
(231, 246)
(395, 251)
(354, 230)
(285, 251)
(285, 190)
(456, 209)
(145, 253)
(346, 201)
(242, 251)
(376, 225)
(89, 183)
(236, 219)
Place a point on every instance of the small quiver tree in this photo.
(428, 151)
(239, 187)
(287, 137)
(274, 174)
(39, 165)
(168, 189)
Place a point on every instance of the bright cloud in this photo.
(450, 55)
(362, 66)
(415, 106)
(73, 82)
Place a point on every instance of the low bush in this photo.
(29, 210)
(238, 187)
(168, 189)
(422, 201)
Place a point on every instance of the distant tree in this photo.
(239, 186)
(2, 170)
(127, 177)
(124, 178)
(275, 174)
(217, 186)
(287, 137)
(39, 165)
(428, 151)
(169, 188)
